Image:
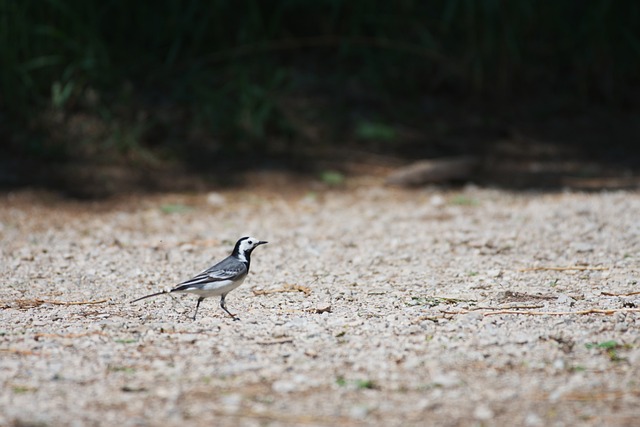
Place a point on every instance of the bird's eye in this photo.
(250, 242)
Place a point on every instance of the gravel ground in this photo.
(369, 306)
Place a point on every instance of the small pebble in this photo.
(483, 413)
(216, 200)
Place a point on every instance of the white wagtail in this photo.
(221, 278)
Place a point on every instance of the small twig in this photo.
(616, 394)
(586, 397)
(609, 294)
(482, 307)
(44, 335)
(276, 341)
(20, 352)
(431, 318)
(100, 301)
(285, 288)
(512, 307)
(563, 313)
(553, 313)
(283, 418)
(453, 300)
(572, 267)
(22, 303)
(313, 310)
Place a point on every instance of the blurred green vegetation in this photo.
(195, 80)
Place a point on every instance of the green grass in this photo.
(360, 384)
(611, 348)
(332, 178)
(375, 131)
(607, 345)
(124, 369)
(19, 389)
(462, 200)
(365, 384)
(174, 208)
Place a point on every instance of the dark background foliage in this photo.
(242, 83)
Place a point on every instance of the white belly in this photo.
(215, 288)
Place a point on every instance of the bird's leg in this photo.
(224, 307)
(197, 305)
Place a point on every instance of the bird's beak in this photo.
(261, 242)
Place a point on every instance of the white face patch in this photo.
(246, 245)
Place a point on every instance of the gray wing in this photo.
(227, 269)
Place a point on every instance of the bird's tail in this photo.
(149, 296)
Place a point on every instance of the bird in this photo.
(219, 279)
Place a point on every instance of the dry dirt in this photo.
(369, 306)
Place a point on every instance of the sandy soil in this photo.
(369, 306)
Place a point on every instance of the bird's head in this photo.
(245, 245)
